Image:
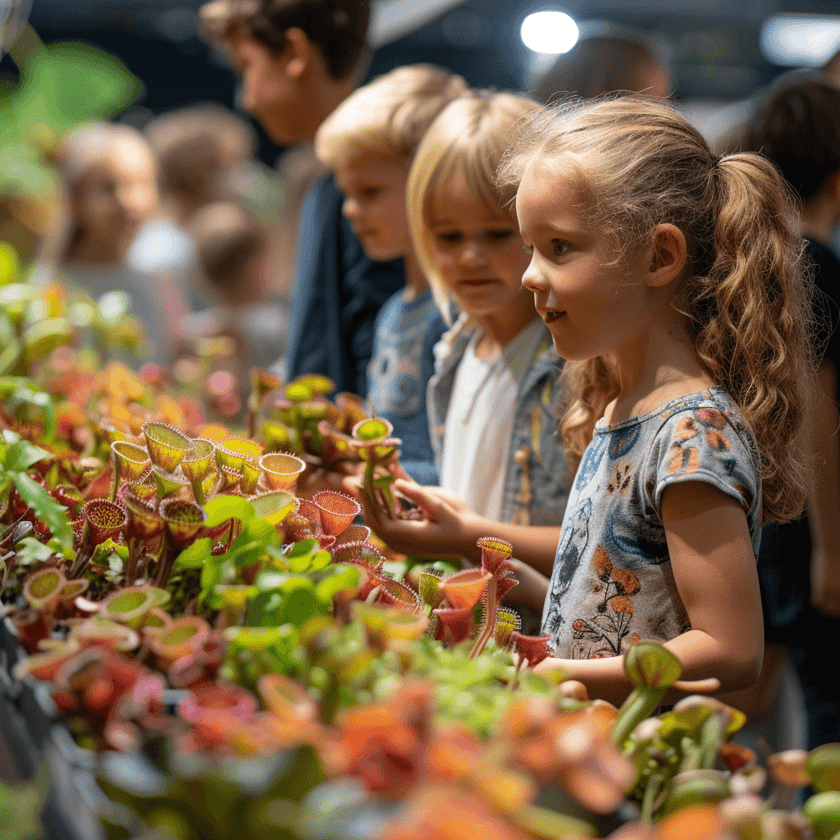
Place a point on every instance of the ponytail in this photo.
(749, 310)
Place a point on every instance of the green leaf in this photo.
(10, 355)
(302, 548)
(262, 531)
(311, 560)
(21, 455)
(651, 665)
(9, 264)
(47, 509)
(195, 555)
(211, 574)
(29, 550)
(300, 605)
(223, 508)
(344, 577)
(102, 552)
(62, 85)
(270, 579)
(263, 611)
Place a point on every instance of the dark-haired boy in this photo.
(298, 60)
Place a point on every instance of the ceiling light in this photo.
(800, 40)
(552, 32)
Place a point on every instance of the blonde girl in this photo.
(672, 281)
(493, 394)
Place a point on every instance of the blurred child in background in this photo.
(368, 142)
(232, 246)
(197, 149)
(605, 59)
(109, 178)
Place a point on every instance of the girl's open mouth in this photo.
(552, 315)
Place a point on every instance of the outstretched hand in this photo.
(443, 532)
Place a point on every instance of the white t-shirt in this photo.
(479, 421)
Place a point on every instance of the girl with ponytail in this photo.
(671, 281)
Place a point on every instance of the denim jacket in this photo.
(537, 481)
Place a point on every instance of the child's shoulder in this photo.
(712, 404)
(700, 436)
(702, 431)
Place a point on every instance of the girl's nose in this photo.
(532, 280)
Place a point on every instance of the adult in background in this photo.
(607, 58)
(799, 562)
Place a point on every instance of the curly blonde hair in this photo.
(747, 298)
(468, 137)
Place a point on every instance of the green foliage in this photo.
(16, 457)
(258, 798)
(21, 806)
(472, 692)
(61, 85)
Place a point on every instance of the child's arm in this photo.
(825, 500)
(449, 528)
(715, 572)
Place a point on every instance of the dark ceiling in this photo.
(713, 44)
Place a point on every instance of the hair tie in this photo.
(716, 159)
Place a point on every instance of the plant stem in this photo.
(490, 608)
(652, 791)
(521, 663)
(639, 705)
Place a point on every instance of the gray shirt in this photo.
(612, 581)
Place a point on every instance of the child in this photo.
(368, 143)
(672, 280)
(199, 149)
(493, 395)
(109, 177)
(232, 246)
(298, 60)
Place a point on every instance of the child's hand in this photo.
(443, 532)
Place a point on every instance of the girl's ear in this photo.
(298, 52)
(669, 255)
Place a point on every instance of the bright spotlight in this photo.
(549, 32)
(800, 40)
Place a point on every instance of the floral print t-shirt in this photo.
(612, 582)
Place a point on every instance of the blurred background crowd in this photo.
(202, 232)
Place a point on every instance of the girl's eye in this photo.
(499, 235)
(560, 247)
(448, 237)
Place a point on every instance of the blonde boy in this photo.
(369, 142)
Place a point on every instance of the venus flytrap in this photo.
(374, 445)
(652, 669)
